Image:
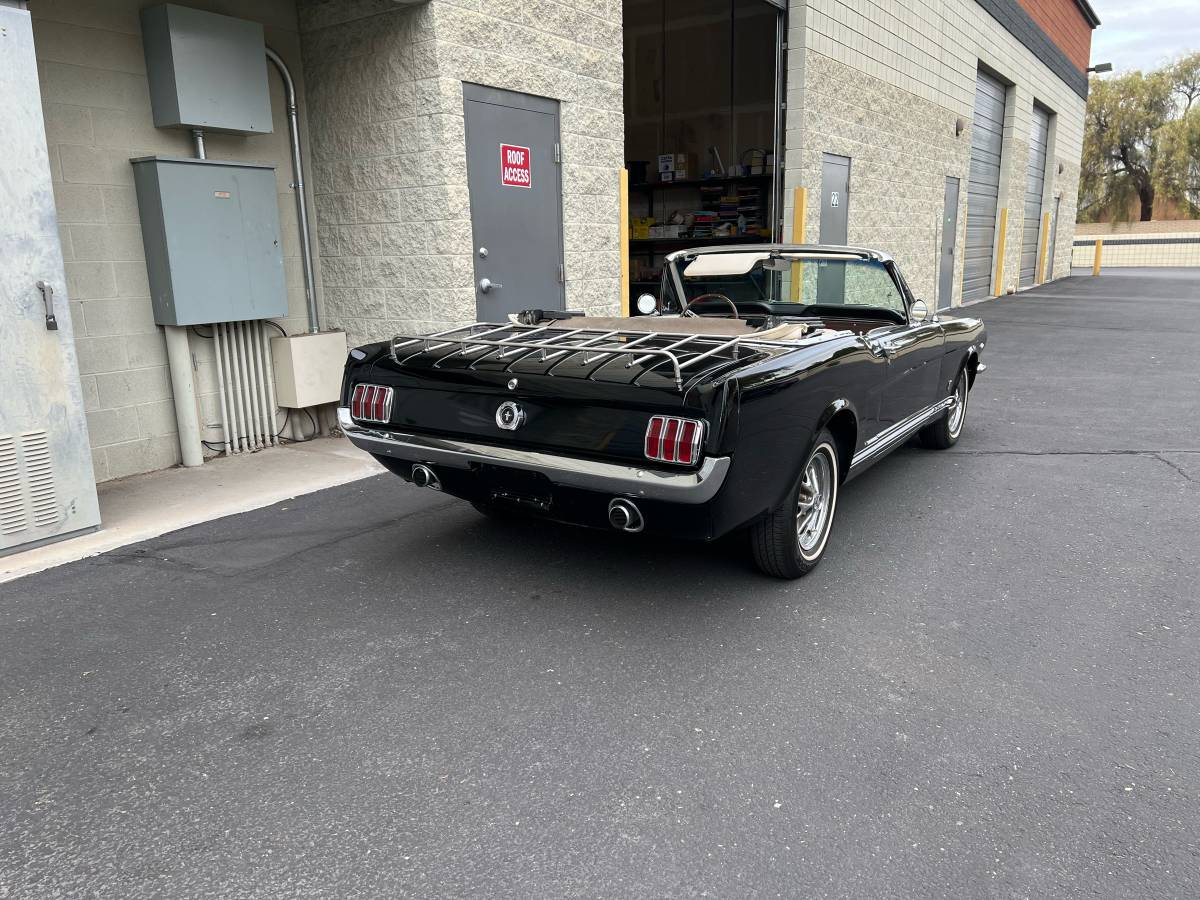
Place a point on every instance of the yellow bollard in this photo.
(623, 213)
(999, 285)
(1096, 261)
(799, 214)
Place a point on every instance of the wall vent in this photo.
(27, 495)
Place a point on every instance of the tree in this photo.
(1179, 171)
(1141, 137)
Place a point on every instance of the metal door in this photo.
(513, 175)
(983, 186)
(1035, 183)
(1053, 240)
(47, 487)
(945, 296)
(835, 223)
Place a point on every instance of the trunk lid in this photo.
(583, 392)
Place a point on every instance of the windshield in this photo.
(790, 281)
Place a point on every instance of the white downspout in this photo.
(183, 386)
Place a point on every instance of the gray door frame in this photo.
(485, 267)
(946, 258)
(834, 222)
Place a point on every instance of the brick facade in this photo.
(1064, 23)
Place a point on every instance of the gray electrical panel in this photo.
(206, 70)
(211, 232)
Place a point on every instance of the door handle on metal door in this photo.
(48, 301)
(486, 284)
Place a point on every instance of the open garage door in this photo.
(703, 128)
(1035, 182)
(983, 186)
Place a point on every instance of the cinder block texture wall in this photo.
(883, 83)
(96, 103)
(389, 143)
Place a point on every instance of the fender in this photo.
(797, 467)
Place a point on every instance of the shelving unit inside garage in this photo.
(702, 127)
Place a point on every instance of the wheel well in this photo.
(972, 365)
(844, 428)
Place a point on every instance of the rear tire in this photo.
(790, 541)
(944, 433)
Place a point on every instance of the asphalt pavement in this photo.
(987, 689)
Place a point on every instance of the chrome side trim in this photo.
(612, 478)
(894, 434)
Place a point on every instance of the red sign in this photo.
(514, 166)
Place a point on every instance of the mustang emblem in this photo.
(510, 416)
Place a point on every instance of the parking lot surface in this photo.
(987, 689)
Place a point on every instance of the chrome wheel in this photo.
(958, 409)
(814, 501)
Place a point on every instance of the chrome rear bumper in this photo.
(588, 474)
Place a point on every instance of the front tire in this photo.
(944, 433)
(791, 539)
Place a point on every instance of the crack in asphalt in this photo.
(1032, 323)
(1146, 454)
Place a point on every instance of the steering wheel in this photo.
(712, 295)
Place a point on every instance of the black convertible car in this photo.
(759, 382)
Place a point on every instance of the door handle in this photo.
(486, 284)
(884, 350)
(48, 302)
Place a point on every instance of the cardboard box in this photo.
(685, 166)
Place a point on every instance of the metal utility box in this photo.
(308, 368)
(206, 70)
(211, 232)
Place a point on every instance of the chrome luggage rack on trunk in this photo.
(560, 342)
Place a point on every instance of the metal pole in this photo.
(183, 387)
(1096, 260)
(310, 289)
(179, 361)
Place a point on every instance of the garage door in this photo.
(1035, 180)
(983, 186)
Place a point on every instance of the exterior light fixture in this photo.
(1100, 67)
(959, 125)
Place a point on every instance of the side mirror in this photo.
(918, 311)
(647, 304)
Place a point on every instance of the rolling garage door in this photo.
(1035, 180)
(983, 186)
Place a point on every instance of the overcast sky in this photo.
(1141, 34)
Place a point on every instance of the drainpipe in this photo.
(310, 290)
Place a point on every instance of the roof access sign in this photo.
(514, 166)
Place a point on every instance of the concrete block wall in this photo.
(389, 141)
(883, 81)
(96, 104)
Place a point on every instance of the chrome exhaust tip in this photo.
(423, 476)
(623, 515)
